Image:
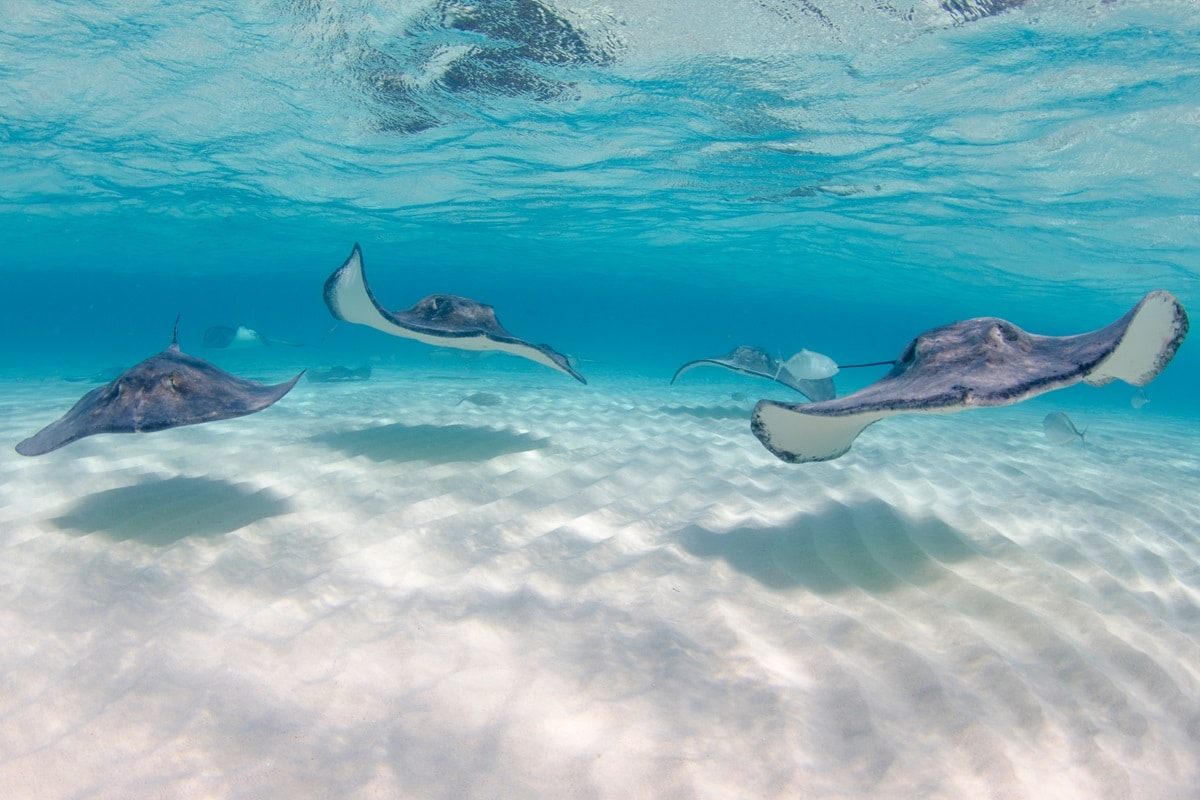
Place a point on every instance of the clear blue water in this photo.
(636, 187)
(611, 590)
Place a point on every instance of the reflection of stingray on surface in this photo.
(435, 444)
(869, 546)
(160, 512)
(706, 412)
(976, 364)
(465, 53)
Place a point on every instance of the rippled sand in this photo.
(610, 591)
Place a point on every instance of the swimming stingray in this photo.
(164, 391)
(755, 361)
(222, 336)
(978, 363)
(443, 320)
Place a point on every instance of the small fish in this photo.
(481, 399)
(741, 397)
(1139, 399)
(1060, 430)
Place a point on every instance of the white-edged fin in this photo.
(693, 364)
(349, 299)
(1149, 343)
(797, 437)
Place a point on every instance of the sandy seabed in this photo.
(605, 591)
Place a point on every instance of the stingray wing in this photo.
(978, 363)
(165, 391)
(350, 298)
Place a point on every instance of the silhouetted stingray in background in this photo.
(220, 337)
(756, 361)
(340, 374)
(164, 391)
(978, 363)
(443, 320)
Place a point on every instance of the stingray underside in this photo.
(756, 362)
(168, 390)
(974, 364)
(441, 320)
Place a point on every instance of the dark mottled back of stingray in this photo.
(167, 390)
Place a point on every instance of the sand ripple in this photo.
(612, 592)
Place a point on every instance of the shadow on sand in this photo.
(435, 444)
(161, 512)
(868, 545)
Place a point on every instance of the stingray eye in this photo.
(1000, 333)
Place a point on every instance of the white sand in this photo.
(610, 591)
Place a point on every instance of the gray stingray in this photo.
(978, 363)
(164, 391)
(443, 320)
(756, 361)
(1060, 430)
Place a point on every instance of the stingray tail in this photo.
(175, 332)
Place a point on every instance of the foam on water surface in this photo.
(370, 590)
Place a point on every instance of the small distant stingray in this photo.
(1139, 399)
(220, 337)
(756, 361)
(164, 391)
(811, 366)
(481, 399)
(443, 320)
(978, 363)
(1060, 430)
(339, 374)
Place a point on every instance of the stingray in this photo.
(974, 364)
(164, 391)
(340, 374)
(443, 320)
(1060, 430)
(219, 337)
(758, 362)
(811, 366)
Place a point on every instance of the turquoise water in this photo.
(637, 188)
(613, 590)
